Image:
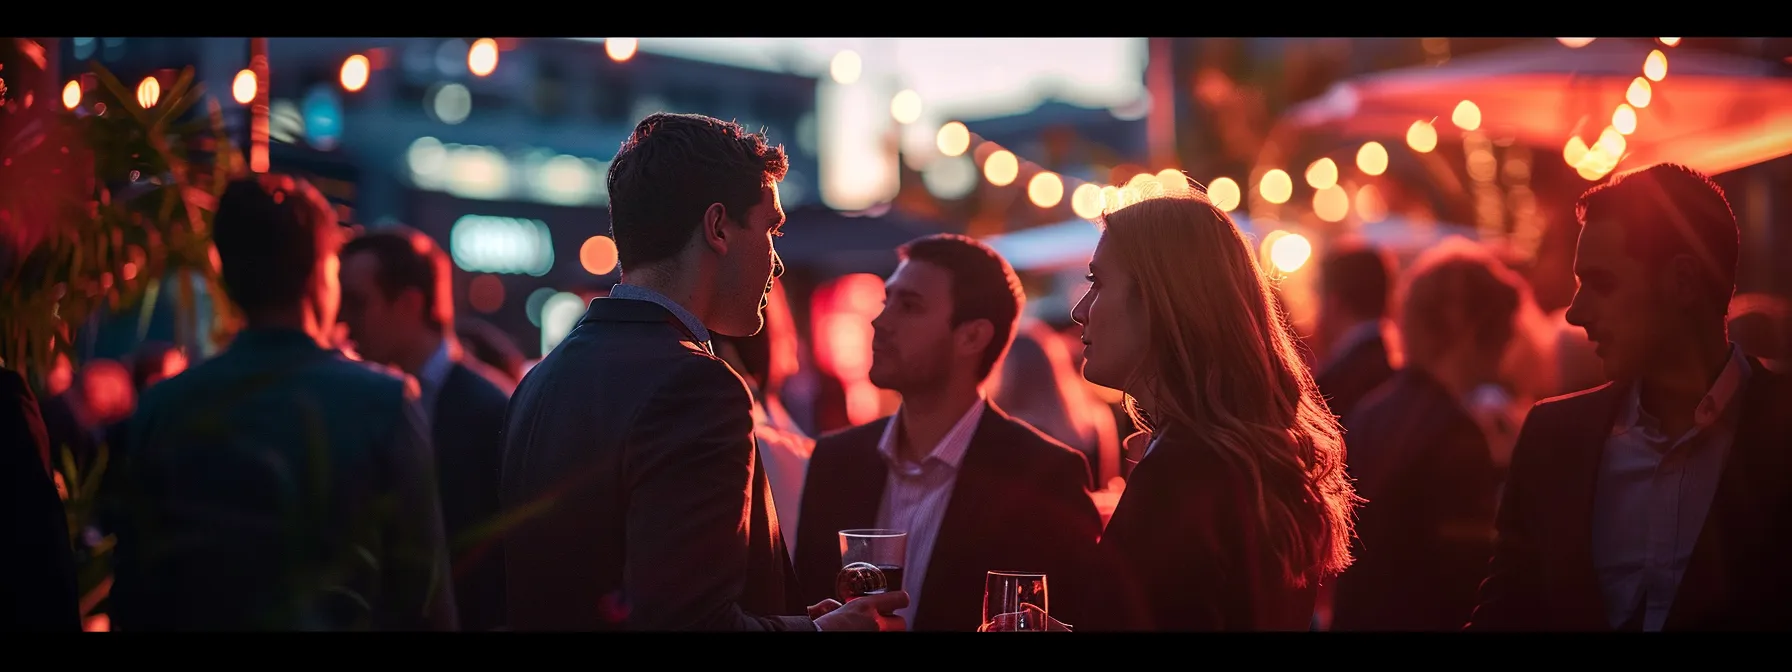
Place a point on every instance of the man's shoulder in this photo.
(855, 436)
(1575, 405)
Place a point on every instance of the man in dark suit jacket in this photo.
(974, 489)
(1661, 500)
(280, 486)
(628, 452)
(398, 302)
(1355, 282)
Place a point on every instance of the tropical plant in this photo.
(106, 204)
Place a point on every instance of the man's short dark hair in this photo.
(270, 231)
(1668, 209)
(984, 286)
(409, 259)
(1360, 276)
(671, 169)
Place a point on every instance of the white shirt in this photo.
(433, 376)
(1653, 494)
(916, 495)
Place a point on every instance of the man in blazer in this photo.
(628, 454)
(399, 306)
(1661, 500)
(974, 489)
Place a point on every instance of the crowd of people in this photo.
(1439, 453)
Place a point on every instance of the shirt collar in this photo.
(639, 293)
(1711, 408)
(435, 370)
(949, 451)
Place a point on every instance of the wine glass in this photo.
(871, 562)
(1015, 602)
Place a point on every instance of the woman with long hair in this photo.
(1239, 507)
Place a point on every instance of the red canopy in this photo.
(1715, 112)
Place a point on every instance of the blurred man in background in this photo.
(1355, 279)
(279, 486)
(398, 303)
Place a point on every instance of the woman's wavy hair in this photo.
(1222, 362)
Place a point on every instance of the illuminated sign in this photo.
(486, 244)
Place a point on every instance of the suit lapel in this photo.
(1582, 448)
(860, 490)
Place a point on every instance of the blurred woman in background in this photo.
(1039, 385)
(1239, 507)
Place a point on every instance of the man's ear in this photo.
(715, 229)
(972, 337)
(1685, 281)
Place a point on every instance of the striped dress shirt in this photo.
(916, 495)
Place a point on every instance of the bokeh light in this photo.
(953, 139)
(1372, 159)
(846, 67)
(598, 255)
(148, 92)
(1624, 119)
(1421, 136)
(1001, 168)
(1046, 190)
(1276, 187)
(1466, 116)
(620, 49)
(1224, 193)
(482, 57)
(1086, 201)
(1655, 67)
(905, 107)
(355, 70)
(71, 94)
(1322, 174)
(242, 89)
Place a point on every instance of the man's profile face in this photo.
(750, 265)
(371, 318)
(1618, 301)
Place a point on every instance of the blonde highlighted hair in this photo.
(1222, 363)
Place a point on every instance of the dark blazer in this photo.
(467, 434)
(1182, 551)
(1020, 504)
(1354, 374)
(1426, 532)
(629, 459)
(40, 578)
(279, 486)
(1542, 575)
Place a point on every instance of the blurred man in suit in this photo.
(1355, 280)
(974, 489)
(629, 449)
(1657, 501)
(280, 486)
(398, 302)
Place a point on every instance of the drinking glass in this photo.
(871, 562)
(1014, 602)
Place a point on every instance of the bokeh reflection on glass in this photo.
(871, 562)
(1015, 602)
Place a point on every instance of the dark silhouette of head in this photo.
(277, 241)
(1356, 278)
(1656, 263)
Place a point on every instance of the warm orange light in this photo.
(1370, 207)
(1331, 204)
(1575, 42)
(71, 94)
(1669, 41)
(1372, 159)
(1086, 201)
(1322, 174)
(1276, 187)
(1224, 193)
(621, 48)
(905, 107)
(1467, 115)
(1290, 252)
(1174, 182)
(1575, 151)
(1639, 93)
(1624, 119)
(1655, 66)
(354, 73)
(953, 139)
(242, 88)
(482, 57)
(1421, 137)
(598, 255)
(148, 92)
(1045, 190)
(1001, 168)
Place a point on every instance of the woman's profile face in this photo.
(1114, 338)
